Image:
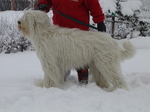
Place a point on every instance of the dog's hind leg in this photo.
(110, 69)
(98, 77)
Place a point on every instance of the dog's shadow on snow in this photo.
(71, 80)
(134, 80)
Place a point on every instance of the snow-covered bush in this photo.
(145, 9)
(126, 14)
(11, 40)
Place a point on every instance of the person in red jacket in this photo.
(79, 10)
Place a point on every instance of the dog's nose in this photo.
(19, 22)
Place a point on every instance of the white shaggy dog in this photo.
(61, 49)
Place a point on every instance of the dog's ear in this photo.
(41, 22)
(37, 22)
(30, 22)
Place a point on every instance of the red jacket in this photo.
(77, 9)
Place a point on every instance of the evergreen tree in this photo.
(125, 23)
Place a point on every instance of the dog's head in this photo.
(33, 22)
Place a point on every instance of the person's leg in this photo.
(83, 75)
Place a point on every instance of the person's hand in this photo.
(43, 7)
(101, 27)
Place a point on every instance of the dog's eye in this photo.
(19, 22)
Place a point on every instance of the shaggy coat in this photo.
(61, 49)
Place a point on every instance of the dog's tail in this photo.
(128, 50)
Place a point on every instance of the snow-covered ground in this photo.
(20, 74)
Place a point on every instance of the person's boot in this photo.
(83, 76)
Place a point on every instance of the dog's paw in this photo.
(39, 83)
(110, 89)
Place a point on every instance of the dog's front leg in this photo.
(52, 74)
(47, 81)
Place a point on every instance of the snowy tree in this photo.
(17, 4)
(5, 4)
(145, 9)
(127, 16)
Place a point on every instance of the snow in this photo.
(128, 7)
(21, 73)
(105, 4)
(11, 16)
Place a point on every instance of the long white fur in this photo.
(61, 49)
